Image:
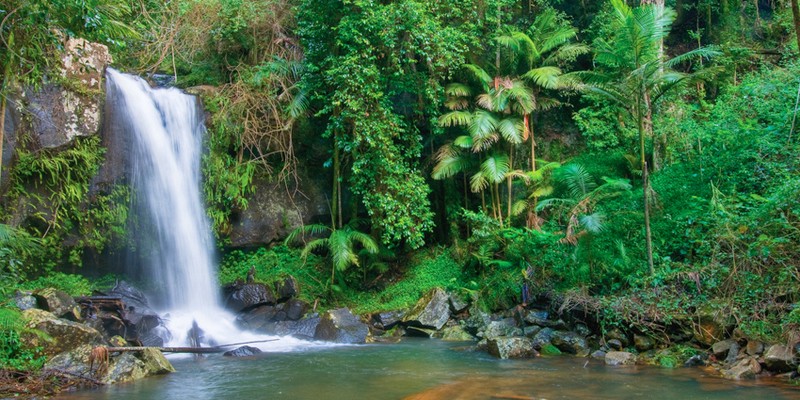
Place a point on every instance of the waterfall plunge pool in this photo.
(417, 369)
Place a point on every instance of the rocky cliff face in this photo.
(68, 105)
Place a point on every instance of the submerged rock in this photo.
(511, 347)
(746, 368)
(620, 358)
(431, 311)
(341, 326)
(244, 351)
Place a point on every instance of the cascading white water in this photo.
(166, 129)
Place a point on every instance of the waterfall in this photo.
(174, 244)
(167, 129)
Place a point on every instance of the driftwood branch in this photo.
(196, 350)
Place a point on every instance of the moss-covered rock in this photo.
(63, 335)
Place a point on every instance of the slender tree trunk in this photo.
(2, 129)
(336, 208)
(645, 181)
(4, 89)
(529, 125)
(510, 182)
(796, 19)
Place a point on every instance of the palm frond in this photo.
(481, 75)
(458, 90)
(302, 231)
(594, 223)
(511, 129)
(455, 118)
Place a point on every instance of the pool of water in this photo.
(427, 369)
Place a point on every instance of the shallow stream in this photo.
(427, 369)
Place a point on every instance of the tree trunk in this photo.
(2, 129)
(336, 201)
(510, 182)
(796, 19)
(645, 180)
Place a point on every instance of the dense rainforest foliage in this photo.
(635, 157)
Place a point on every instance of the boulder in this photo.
(131, 297)
(388, 319)
(720, 349)
(286, 288)
(746, 368)
(302, 329)
(273, 212)
(780, 358)
(543, 337)
(244, 351)
(477, 320)
(614, 344)
(458, 302)
(454, 333)
(124, 367)
(531, 331)
(536, 317)
(620, 358)
(341, 326)
(643, 343)
(697, 360)
(503, 327)
(570, 342)
(618, 335)
(754, 347)
(598, 355)
(255, 318)
(239, 297)
(733, 353)
(154, 361)
(57, 302)
(295, 309)
(65, 335)
(511, 347)
(24, 300)
(711, 326)
(582, 330)
(431, 311)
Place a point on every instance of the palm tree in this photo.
(543, 50)
(340, 245)
(498, 115)
(640, 76)
(583, 195)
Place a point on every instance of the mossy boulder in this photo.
(123, 367)
(58, 302)
(63, 335)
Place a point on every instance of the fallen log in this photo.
(194, 350)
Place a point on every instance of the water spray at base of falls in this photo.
(166, 129)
